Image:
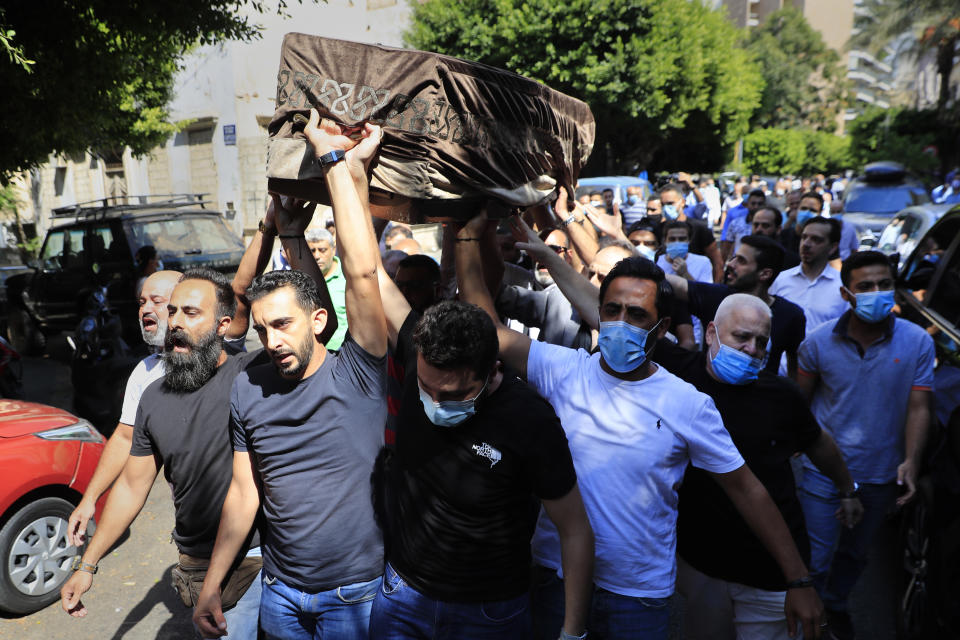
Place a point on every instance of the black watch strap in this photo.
(331, 157)
(800, 583)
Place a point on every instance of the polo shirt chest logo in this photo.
(486, 451)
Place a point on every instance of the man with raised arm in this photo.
(633, 428)
(306, 429)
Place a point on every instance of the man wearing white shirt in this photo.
(814, 285)
(153, 299)
(677, 258)
(632, 428)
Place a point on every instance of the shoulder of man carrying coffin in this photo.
(460, 127)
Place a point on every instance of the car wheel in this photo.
(23, 333)
(35, 555)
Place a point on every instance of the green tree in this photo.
(927, 24)
(775, 151)
(647, 68)
(99, 75)
(805, 82)
(904, 135)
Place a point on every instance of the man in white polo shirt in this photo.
(632, 428)
(814, 285)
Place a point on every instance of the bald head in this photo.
(605, 260)
(408, 245)
(153, 298)
(742, 322)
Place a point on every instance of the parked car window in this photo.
(945, 298)
(190, 235)
(873, 198)
(63, 249)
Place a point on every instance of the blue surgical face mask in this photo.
(803, 215)
(633, 200)
(678, 250)
(623, 346)
(670, 211)
(449, 413)
(733, 366)
(647, 252)
(874, 306)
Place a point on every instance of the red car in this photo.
(47, 457)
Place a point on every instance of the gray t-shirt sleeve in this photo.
(524, 305)
(142, 444)
(362, 371)
(238, 436)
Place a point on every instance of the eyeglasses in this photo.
(557, 248)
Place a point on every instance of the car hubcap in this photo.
(40, 558)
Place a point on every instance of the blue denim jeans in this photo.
(400, 612)
(612, 616)
(243, 618)
(837, 554)
(343, 613)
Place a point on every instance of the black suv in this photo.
(872, 199)
(93, 246)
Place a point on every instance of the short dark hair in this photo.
(643, 269)
(595, 193)
(608, 189)
(306, 290)
(670, 186)
(861, 259)
(769, 253)
(145, 254)
(677, 224)
(421, 261)
(453, 334)
(836, 227)
(757, 192)
(777, 216)
(398, 231)
(226, 301)
(815, 195)
(546, 231)
(644, 225)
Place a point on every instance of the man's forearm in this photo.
(576, 556)
(915, 434)
(716, 261)
(121, 510)
(358, 251)
(583, 243)
(111, 463)
(254, 261)
(582, 294)
(826, 457)
(470, 281)
(236, 519)
(764, 519)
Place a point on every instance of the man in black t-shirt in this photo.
(475, 447)
(182, 424)
(728, 577)
(752, 269)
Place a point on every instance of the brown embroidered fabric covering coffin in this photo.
(456, 133)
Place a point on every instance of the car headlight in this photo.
(81, 431)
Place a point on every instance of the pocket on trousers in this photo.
(359, 592)
(392, 582)
(503, 610)
(654, 603)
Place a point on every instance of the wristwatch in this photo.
(80, 565)
(800, 583)
(849, 495)
(331, 157)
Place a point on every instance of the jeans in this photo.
(612, 616)
(342, 613)
(400, 611)
(243, 618)
(721, 610)
(837, 554)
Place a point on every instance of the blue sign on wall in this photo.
(230, 134)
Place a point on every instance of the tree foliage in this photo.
(795, 152)
(805, 81)
(98, 75)
(904, 135)
(928, 24)
(647, 68)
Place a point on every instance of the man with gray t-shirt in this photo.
(307, 429)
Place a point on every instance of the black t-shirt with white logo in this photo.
(460, 502)
(769, 421)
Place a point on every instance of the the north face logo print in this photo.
(487, 452)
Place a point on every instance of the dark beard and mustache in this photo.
(186, 372)
(303, 352)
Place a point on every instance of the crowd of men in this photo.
(580, 411)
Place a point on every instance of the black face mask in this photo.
(655, 218)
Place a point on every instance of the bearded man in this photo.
(182, 425)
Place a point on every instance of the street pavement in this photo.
(132, 596)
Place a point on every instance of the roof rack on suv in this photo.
(109, 204)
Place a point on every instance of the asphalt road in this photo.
(132, 597)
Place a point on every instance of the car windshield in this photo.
(883, 199)
(184, 235)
